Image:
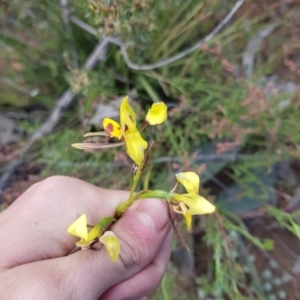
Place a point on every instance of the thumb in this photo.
(141, 231)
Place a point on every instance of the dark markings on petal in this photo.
(176, 205)
(109, 128)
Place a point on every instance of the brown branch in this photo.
(65, 11)
(123, 46)
(83, 25)
(185, 52)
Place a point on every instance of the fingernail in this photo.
(153, 212)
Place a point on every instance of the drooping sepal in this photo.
(112, 244)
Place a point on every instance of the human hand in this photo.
(34, 244)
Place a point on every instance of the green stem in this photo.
(146, 194)
(136, 179)
(130, 199)
(164, 289)
(135, 182)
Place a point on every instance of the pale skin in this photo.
(34, 244)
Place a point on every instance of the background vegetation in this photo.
(233, 118)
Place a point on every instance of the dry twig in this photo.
(253, 45)
(123, 46)
(66, 24)
(83, 25)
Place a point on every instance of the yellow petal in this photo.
(200, 206)
(127, 117)
(136, 146)
(79, 227)
(94, 233)
(190, 181)
(112, 128)
(112, 244)
(157, 113)
(181, 208)
(188, 221)
(196, 204)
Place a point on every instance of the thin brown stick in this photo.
(65, 11)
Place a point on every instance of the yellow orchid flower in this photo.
(157, 114)
(128, 132)
(111, 242)
(191, 203)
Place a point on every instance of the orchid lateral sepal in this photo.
(146, 158)
(175, 229)
(112, 244)
(92, 146)
(101, 133)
